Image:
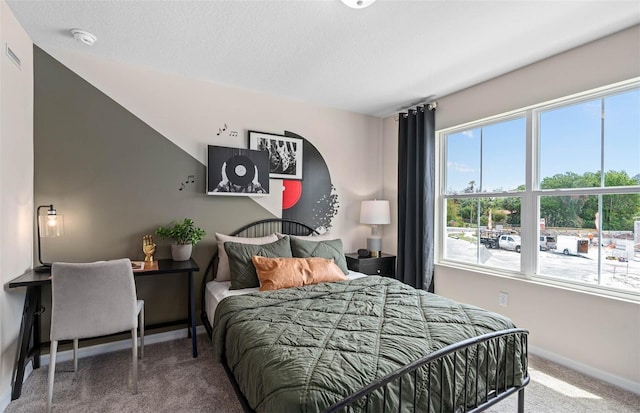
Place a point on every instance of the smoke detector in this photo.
(358, 4)
(84, 36)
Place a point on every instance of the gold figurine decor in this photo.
(148, 247)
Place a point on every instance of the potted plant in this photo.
(185, 234)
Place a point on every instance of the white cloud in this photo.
(459, 167)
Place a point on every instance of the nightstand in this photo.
(384, 265)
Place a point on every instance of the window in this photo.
(482, 164)
(551, 192)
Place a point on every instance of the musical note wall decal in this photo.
(191, 179)
(230, 133)
(221, 131)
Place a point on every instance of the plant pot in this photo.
(181, 252)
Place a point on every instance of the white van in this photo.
(547, 243)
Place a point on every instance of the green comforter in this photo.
(303, 349)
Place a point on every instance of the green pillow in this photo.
(302, 248)
(243, 273)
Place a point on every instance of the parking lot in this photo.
(583, 267)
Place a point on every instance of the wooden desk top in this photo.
(166, 266)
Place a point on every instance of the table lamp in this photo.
(50, 225)
(375, 213)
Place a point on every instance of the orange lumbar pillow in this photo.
(276, 273)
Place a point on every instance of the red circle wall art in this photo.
(291, 194)
(313, 200)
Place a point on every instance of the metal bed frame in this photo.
(252, 230)
(503, 345)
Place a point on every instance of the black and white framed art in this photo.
(285, 154)
(236, 171)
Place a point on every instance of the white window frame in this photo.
(529, 213)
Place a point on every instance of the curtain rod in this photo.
(430, 106)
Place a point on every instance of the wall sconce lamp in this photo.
(375, 213)
(49, 225)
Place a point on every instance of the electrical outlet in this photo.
(503, 299)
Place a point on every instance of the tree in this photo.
(579, 210)
(619, 210)
(470, 188)
(498, 216)
(512, 204)
(453, 213)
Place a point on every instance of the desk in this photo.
(29, 346)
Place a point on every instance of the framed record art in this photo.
(285, 154)
(236, 171)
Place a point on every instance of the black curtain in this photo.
(416, 195)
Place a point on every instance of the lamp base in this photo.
(42, 268)
(374, 245)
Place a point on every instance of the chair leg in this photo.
(134, 350)
(52, 372)
(141, 327)
(75, 358)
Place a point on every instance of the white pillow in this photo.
(224, 273)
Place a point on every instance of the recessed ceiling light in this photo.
(358, 4)
(84, 36)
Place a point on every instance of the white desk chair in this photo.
(90, 300)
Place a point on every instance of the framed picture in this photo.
(285, 154)
(235, 171)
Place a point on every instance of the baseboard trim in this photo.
(617, 381)
(5, 399)
(67, 355)
(125, 344)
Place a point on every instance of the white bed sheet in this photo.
(216, 291)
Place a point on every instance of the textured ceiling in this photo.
(374, 61)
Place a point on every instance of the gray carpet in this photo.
(172, 381)
(169, 380)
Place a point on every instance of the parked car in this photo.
(547, 242)
(551, 241)
(543, 244)
(489, 242)
(509, 242)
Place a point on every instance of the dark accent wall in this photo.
(114, 179)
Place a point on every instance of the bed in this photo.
(367, 343)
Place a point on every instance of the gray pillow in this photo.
(243, 272)
(302, 248)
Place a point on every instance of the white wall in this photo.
(16, 183)
(190, 112)
(595, 334)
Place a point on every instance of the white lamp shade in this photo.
(375, 212)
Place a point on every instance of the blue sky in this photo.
(570, 142)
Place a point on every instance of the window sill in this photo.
(602, 292)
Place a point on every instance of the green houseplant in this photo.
(185, 234)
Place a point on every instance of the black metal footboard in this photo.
(468, 376)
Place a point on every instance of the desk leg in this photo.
(31, 300)
(192, 318)
(189, 312)
(36, 330)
